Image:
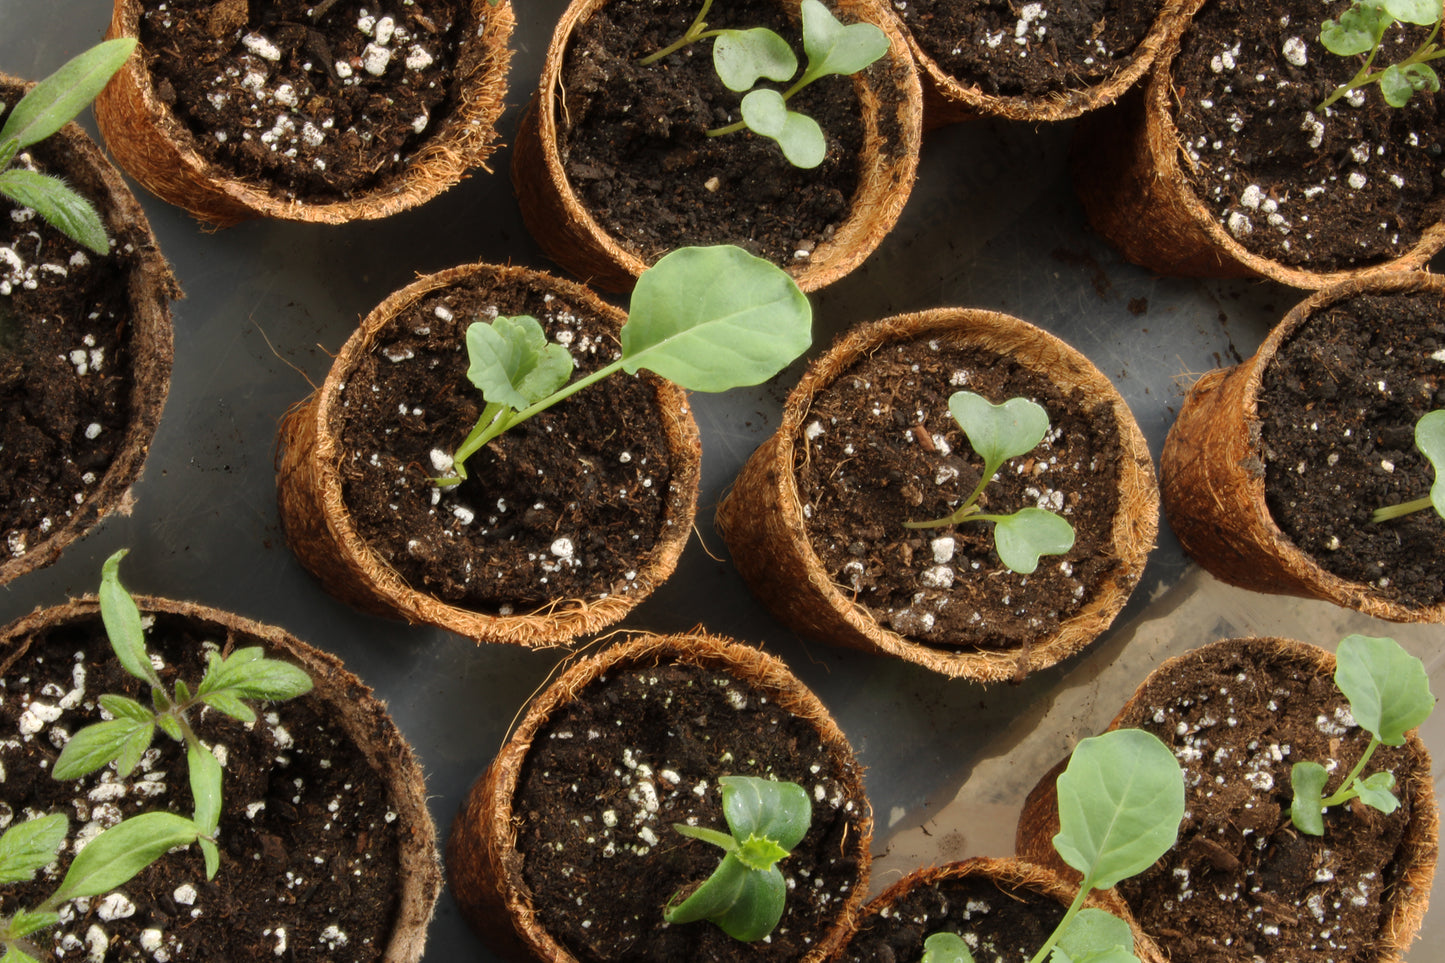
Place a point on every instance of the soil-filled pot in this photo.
(1038, 62)
(305, 111)
(565, 522)
(85, 356)
(564, 849)
(1242, 883)
(327, 850)
(1004, 909)
(614, 168)
(815, 521)
(1224, 167)
(1273, 468)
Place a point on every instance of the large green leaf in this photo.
(56, 99)
(122, 622)
(247, 675)
(60, 207)
(513, 364)
(1423, 12)
(29, 846)
(766, 808)
(998, 432)
(116, 855)
(1094, 936)
(1388, 688)
(758, 907)
(833, 48)
(740, 57)
(1022, 537)
(1356, 32)
(1430, 439)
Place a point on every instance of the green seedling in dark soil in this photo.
(1361, 30)
(1389, 694)
(746, 894)
(48, 106)
(228, 681)
(998, 433)
(1430, 439)
(743, 57)
(707, 318)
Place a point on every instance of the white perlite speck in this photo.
(115, 906)
(440, 460)
(939, 576)
(261, 47)
(93, 430)
(375, 58)
(1295, 51)
(562, 548)
(333, 937)
(1239, 225)
(1357, 179)
(185, 894)
(942, 549)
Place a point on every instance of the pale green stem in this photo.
(697, 31)
(965, 512)
(1085, 886)
(1404, 508)
(1423, 54)
(1345, 792)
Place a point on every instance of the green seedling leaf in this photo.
(14, 954)
(833, 48)
(60, 206)
(96, 746)
(134, 746)
(116, 855)
(1095, 936)
(998, 432)
(205, 775)
(946, 948)
(124, 707)
(58, 98)
(1022, 537)
(228, 702)
(28, 847)
(1423, 12)
(25, 922)
(171, 727)
(1388, 688)
(766, 809)
(1430, 439)
(799, 135)
(714, 318)
(1398, 83)
(212, 856)
(122, 622)
(247, 675)
(1121, 800)
(1375, 791)
(1306, 810)
(512, 362)
(740, 57)
(1357, 31)
(183, 692)
(758, 908)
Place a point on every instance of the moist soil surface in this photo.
(318, 107)
(565, 505)
(1030, 49)
(65, 377)
(308, 847)
(634, 142)
(881, 449)
(640, 750)
(999, 924)
(1241, 884)
(1355, 184)
(1338, 406)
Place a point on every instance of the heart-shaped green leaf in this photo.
(1388, 688)
(799, 135)
(29, 846)
(1022, 537)
(740, 57)
(946, 948)
(834, 48)
(1430, 439)
(1423, 12)
(1357, 31)
(1375, 791)
(513, 364)
(998, 432)
(1306, 810)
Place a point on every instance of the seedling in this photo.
(48, 106)
(1121, 799)
(109, 860)
(1389, 694)
(1430, 439)
(228, 680)
(708, 318)
(998, 433)
(1361, 30)
(742, 57)
(745, 895)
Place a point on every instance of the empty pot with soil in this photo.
(1274, 468)
(819, 519)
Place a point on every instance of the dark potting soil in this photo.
(1031, 49)
(640, 750)
(309, 852)
(1338, 407)
(634, 141)
(566, 505)
(318, 107)
(1353, 185)
(65, 360)
(881, 448)
(1241, 884)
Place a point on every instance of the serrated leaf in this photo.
(25, 922)
(227, 701)
(833, 48)
(122, 622)
(1375, 791)
(124, 707)
(52, 102)
(513, 364)
(1096, 936)
(94, 747)
(1357, 31)
(740, 57)
(60, 206)
(1022, 537)
(14, 954)
(116, 855)
(1423, 12)
(1388, 688)
(946, 948)
(269, 679)
(131, 750)
(998, 432)
(766, 808)
(29, 846)
(1306, 810)
(171, 727)
(714, 318)
(205, 776)
(1430, 439)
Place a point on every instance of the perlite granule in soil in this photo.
(308, 840)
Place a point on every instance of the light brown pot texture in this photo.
(152, 287)
(761, 519)
(318, 525)
(153, 146)
(569, 235)
(1212, 476)
(484, 866)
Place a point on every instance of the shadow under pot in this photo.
(304, 111)
(1224, 165)
(1274, 468)
(1242, 883)
(614, 165)
(1036, 62)
(1003, 909)
(818, 520)
(565, 850)
(327, 851)
(564, 523)
(85, 356)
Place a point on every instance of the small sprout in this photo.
(1389, 694)
(707, 318)
(998, 433)
(1430, 439)
(745, 894)
(945, 947)
(48, 106)
(1361, 30)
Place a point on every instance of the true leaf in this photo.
(228, 702)
(799, 135)
(25, 922)
(124, 707)
(60, 206)
(1388, 688)
(766, 808)
(1357, 31)
(1423, 12)
(253, 677)
(58, 98)
(1430, 439)
(170, 727)
(513, 364)
(834, 48)
(998, 432)
(29, 846)
(205, 775)
(95, 746)
(134, 746)
(714, 318)
(122, 622)
(946, 948)
(212, 856)
(1306, 810)
(1022, 537)
(1375, 791)
(1121, 799)
(13, 954)
(740, 57)
(116, 855)
(1095, 936)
